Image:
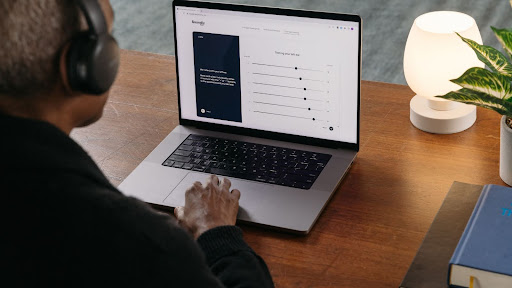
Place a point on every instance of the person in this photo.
(63, 223)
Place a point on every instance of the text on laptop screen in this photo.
(284, 74)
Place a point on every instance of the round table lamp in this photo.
(433, 56)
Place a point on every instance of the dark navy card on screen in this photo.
(217, 76)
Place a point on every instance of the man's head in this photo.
(33, 76)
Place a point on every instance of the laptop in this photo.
(268, 98)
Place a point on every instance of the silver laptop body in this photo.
(285, 78)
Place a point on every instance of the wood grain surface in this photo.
(369, 232)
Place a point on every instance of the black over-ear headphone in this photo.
(93, 57)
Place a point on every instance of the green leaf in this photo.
(505, 38)
(468, 96)
(491, 57)
(483, 80)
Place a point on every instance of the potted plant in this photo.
(491, 89)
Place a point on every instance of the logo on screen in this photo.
(198, 22)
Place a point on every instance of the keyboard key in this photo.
(195, 137)
(274, 173)
(302, 166)
(261, 178)
(182, 153)
(198, 168)
(312, 174)
(185, 147)
(298, 178)
(301, 185)
(222, 172)
(195, 155)
(285, 182)
(168, 163)
(178, 165)
(293, 171)
(188, 166)
(179, 158)
(315, 167)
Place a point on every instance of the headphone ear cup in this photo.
(92, 63)
(104, 64)
(76, 62)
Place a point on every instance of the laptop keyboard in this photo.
(264, 163)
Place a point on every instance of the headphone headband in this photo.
(94, 16)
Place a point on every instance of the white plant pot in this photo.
(506, 152)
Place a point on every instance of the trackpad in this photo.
(250, 202)
(259, 202)
(177, 196)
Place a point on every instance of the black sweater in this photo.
(66, 225)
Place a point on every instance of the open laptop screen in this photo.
(288, 74)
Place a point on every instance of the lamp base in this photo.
(429, 120)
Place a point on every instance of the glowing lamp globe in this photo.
(434, 55)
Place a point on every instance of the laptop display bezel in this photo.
(263, 133)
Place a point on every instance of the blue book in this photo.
(483, 257)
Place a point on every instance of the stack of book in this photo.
(469, 243)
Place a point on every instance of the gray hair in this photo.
(32, 35)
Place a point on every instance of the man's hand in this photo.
(208, 206)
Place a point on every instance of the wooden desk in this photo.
(369, 232)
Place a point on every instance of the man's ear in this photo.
(63, 69)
